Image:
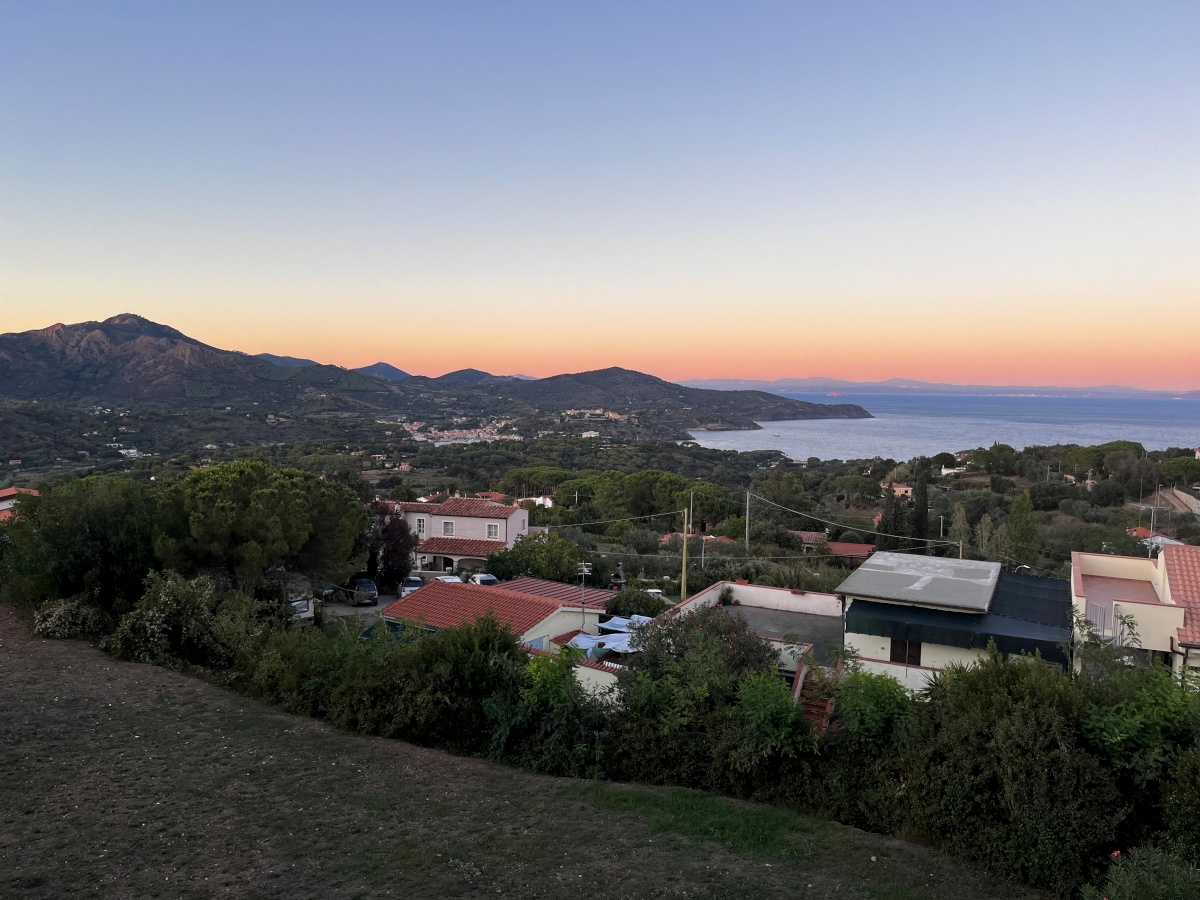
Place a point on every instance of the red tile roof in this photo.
(6, 514)
(450, 546)
(563, 639)
(851, 551)
(1183, 579)
(16, 491)
(564, 594)
(1142, 533)
(464, 507)
(494, 496)
(441, 604)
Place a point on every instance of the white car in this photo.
(410, 584)
(484, 578)
(452, 579)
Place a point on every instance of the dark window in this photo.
(906, 653)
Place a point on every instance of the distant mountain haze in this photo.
(385, 371)
(286, 360)
(816, 385)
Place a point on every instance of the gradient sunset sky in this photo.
(967, 192)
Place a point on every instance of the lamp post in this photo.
(585, 569)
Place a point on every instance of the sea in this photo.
(908, 425)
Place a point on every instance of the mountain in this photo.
(910, 386)
(130, 361)
(469, 377)
(290, 361)
(628, 392)
(384, 371)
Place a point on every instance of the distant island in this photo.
(818, 385)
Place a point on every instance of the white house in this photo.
(9, 498)
(460, 531)
(1159, 597)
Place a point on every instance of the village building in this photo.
(461, 532)
(910, 616)
(8, 500)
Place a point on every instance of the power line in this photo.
(844, 525)
(612, 521)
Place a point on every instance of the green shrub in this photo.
(1181, 801)
(555, 725)
(632, 602)
(73, 617)
(1146, 874)
(173, 623)
(998, 772)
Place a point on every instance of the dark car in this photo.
(364, 591)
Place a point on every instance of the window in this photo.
(448, 529)
(906, 653)
(493, 532)
(420, 528)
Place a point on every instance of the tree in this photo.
(543, 555)
(1022, 531)
(891, 525)
(391, 546)
(920, 514)
(983, 535)
(960, 528)
(94, 536)
(246, 517)
(856, 487)
(1185, 469)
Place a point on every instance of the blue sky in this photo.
(755, 190)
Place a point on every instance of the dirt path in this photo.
(130, 781)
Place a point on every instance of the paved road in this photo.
(366, 614)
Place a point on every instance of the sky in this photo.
(1002, 193)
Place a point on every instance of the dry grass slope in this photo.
(127, 781)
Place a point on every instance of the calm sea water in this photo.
(910, 425)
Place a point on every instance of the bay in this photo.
(909, 425)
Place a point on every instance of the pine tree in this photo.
(983, 535)
(1022, 532)
(920, 514)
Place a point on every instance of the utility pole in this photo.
(941, 526)
(585, 569)
(747, 524)
(683, 574)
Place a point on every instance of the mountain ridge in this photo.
(130, 360)
(913, 386)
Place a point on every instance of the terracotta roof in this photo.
(853, 551)
(1141, 532)
(1183, 578)
(463, 507)
(564, 594)
(441, 604)
(494, 496)
(721, 539)
(450, 546)
(812, 537)
(16, 491)
(565, 638)
(6, 514)
(610, 668)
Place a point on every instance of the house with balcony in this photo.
(910, 616)
(1159, 599)
(461, 532)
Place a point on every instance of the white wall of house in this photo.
(566, 619)
(595, 681)
(875, 653)
(764, 597)
(429, 524)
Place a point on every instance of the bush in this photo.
(1181, 800)
(173, 623)
(1147, 874)
(73, 617)
(998, 772)
(632, 602)
(556, 726)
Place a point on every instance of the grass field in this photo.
(120, 780)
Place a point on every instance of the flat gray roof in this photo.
(823, 632)
(966, 585)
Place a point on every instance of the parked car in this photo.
(363, 591)
(484, 578)
(453, 579)
(410, 584)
